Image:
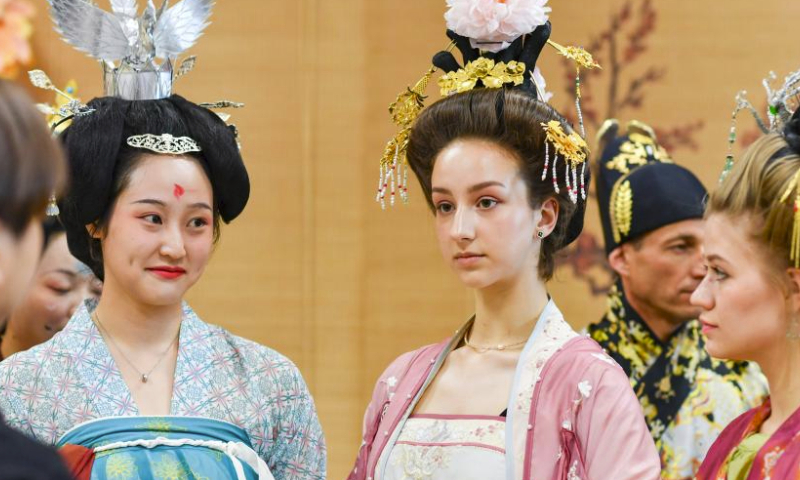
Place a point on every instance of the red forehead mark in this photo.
(178, 192)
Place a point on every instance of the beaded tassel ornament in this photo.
(66, 108)
(481, 38)
(393, 174)
(783, 102)
(394, 167)
(574, 151)
(584, 59)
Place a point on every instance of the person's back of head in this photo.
(31, 169)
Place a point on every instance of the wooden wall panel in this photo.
(314, 268)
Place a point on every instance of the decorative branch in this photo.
(621, 45)
(680, 137)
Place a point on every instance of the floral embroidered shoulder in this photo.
(571, 415)
(778, 457)
(234, 399)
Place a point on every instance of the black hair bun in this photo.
(97, 152)
(791, 132)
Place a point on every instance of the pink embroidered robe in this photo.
(778, 458)
(572, 414)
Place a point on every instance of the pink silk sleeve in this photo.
(374, 413)
(615, 440)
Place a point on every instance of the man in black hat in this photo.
(651, 211)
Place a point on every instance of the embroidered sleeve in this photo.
(298, 448)
(609, 424)
(16, 395)
(381, 395)
(9, 401)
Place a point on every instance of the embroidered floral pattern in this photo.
(490, 433)
(120, 467)
(72, 378)
(687, 397)
(430, 448)
(554, 335)
(573, 472)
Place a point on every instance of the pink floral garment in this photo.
(572, 414)
(443, 447)
(778, 459)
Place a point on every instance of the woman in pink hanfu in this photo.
(751, 297)
(516, 393)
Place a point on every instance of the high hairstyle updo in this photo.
(510, 119)
(101, 163)
(754, 188)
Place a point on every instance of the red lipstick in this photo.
(168, 273)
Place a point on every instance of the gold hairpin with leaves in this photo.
(574, 150)
(393, 179)
(484, 70)
(583, 59)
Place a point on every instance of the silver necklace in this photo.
(143, 376)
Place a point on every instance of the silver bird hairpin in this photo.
(128, 44)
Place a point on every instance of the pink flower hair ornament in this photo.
(491, 25)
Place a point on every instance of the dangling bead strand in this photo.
(573, 194)
(384, 185)
(392, 182)
(583, 181)
(555, 174)
(578, 102)
(404, 192)
(380, 183)
(546, 159)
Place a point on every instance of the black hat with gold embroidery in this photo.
(639, 188)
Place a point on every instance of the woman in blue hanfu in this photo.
(137, 386)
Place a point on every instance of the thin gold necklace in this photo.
(143, 376)
(486, 348)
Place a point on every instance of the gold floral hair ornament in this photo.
(484, 70)
(574, 150)
(637, 149)
(404, 110)
(621, 208)
(394, 166)
(59, 115)
(478, 27)
(794, 247)
(583, 59)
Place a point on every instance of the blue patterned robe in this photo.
(72, 379)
